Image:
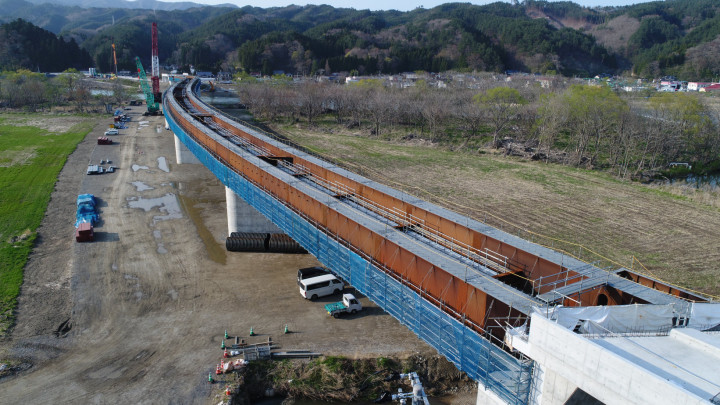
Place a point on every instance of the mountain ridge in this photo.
(676, 37)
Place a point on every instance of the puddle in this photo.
(130, 277)
(167, 204)
(160, 246)
(140, 186)
(173, 294)
(162, 164)
(215, 250)
(114, 267)
(138, 167)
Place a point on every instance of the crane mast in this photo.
(155, 61)
(152, 104)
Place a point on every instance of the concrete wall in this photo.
(183, 154)
(569, 360)
(242, 217)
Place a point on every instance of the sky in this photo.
(402, 5)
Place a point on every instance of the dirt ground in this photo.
(138, 316)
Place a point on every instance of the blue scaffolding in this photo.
(500, 372)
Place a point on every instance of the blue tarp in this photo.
(86, 211)
(86, 198)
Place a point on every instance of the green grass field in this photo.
(30, 160)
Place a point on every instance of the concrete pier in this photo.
(242, 217)
(183, 154)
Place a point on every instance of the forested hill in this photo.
(680, 37)
(25, 46)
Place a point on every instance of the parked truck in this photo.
(84, 232)
(349, 304)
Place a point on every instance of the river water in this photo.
(709, 182)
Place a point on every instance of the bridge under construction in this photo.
(466, 288)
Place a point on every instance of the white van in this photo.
(320, 286)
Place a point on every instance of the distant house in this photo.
(205, 76)
(546, 82)
(712, 87)
(696, 86)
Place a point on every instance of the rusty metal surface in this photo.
(476, 297)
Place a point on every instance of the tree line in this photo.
(25, 46)
(573, 124)
(23, 89)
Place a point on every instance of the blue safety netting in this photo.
(498, 371)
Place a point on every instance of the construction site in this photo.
(144, 312)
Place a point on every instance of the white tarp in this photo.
(704, 315)
(616, 319)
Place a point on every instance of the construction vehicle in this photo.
(84, 232)
(349, 304)
(153, 108)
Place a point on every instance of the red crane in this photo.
(155, 61)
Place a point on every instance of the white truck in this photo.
(349, 304)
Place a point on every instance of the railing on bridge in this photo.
(454, 337)
(378, 240)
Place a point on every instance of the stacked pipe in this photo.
(247, 242)
(281, 243)
(262, 242)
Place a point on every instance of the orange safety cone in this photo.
(218, 370)
(225, 354)
(227, 390)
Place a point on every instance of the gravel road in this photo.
(138, 316)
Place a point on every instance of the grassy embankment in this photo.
(30, 160)
(588, 214)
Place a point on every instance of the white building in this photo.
(628, 354)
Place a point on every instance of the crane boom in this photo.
(152, 105)
(114, 59)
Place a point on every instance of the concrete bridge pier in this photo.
(183, 154)
(242, 217)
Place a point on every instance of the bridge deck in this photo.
(459, 279)
(480, 275)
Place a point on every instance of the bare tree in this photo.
(311, 98)
(500, 104)
(468, 116)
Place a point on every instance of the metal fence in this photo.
(498, 371)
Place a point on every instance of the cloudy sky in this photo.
(402, 5)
